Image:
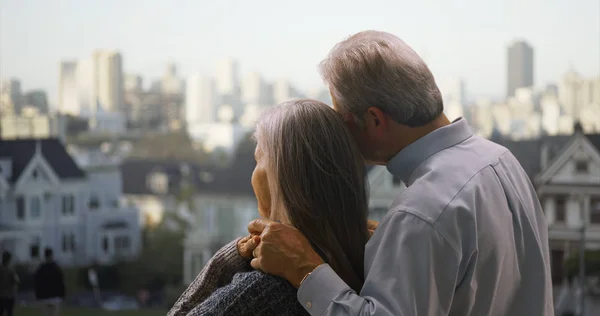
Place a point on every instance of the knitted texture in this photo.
(217, 272)
(252, 294)
(228, 286)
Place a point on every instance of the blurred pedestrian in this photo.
(9, 282)
(49, 284)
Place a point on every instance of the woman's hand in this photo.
(371, 226)
(246, 246)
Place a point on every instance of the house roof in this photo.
(234, 179)
(21, 151)
(528, 152)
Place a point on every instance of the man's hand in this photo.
(371, 226)
(283, 251)
(246, 245)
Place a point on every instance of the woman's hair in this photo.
(317, 182)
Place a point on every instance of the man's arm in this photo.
(410, 270)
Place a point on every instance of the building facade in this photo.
(519, 67)
(33, 126)
(566, 173)
(48, 200)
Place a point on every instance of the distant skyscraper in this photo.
(109, 80)
(91, 85)
(282, 91)
(10, 96)
(133, 83)
(227, 76)
(170, 82)
(67, 89)
(519, 67)
(254, 90)
(458, 92)
(200, 101)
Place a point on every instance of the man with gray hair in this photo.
(466, 237)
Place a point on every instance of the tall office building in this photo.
(93, 88)
(227, 80)
(282, 91)
(171, 83)
(11, 97)
(201, 100)
(133, 83)
(254, 90)
(519, 67)
(67, 88)
(109, 80)
(457, 91)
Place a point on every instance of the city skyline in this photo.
(458, 39)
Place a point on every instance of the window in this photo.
(68, 205)
(34, 248)
(105, 244)
(68, 243)
(581, 166)
(595, 210)
(94, 202)
(20, 208)
(561, 209)
(122, 243)
(35, 211)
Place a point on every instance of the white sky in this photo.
(278, 38)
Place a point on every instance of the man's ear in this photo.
(376, 120)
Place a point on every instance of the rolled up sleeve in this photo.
(410, 269)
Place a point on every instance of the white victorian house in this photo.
(48, 201)
(565, 171)
(569, 189)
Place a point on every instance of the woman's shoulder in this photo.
(257, 293)
(258, 279)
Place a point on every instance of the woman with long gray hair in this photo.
(309, 174)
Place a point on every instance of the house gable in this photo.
(38, 172)
(578, 163)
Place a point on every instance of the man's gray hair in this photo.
(378, 69)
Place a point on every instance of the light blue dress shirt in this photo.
(466, 237)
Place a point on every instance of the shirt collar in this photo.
(404, 163)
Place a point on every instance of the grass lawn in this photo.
(30, 311)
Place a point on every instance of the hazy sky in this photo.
(458, 38)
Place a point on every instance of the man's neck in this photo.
(407, 135)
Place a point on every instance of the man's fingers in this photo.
(257, 226)
(252, 243)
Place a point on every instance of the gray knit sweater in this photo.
(227, 285)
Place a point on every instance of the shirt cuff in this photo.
(319, 289)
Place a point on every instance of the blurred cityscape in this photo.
(143, 179)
